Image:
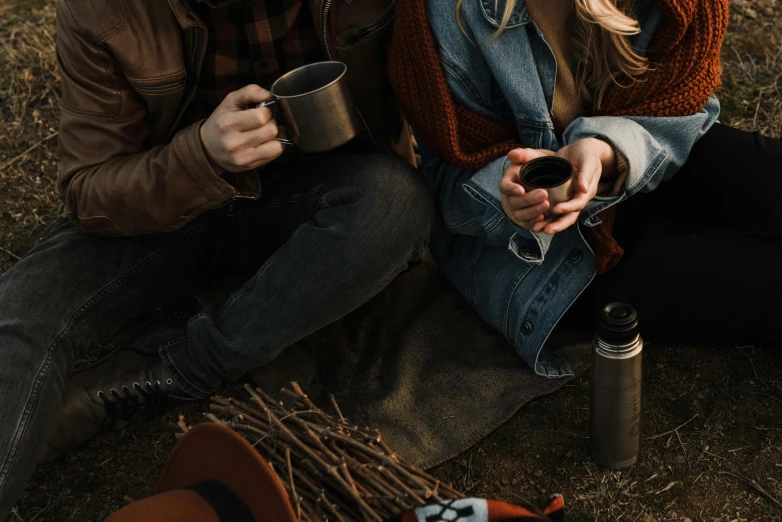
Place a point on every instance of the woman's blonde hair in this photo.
(599, 37)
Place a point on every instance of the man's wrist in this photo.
(217, 169)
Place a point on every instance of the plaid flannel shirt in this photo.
(250, 41)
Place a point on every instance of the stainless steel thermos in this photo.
(616, 387)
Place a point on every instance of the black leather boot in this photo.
(125, 383)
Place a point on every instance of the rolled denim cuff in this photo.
(176, 375)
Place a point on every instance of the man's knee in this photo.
(395, 192)
(396, 205)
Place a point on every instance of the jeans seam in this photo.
(251, 282)
(43, 371)
(323, 203)
(468, 275)
(323, 190)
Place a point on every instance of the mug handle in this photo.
(266, 103)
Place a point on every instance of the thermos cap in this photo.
(617, 324)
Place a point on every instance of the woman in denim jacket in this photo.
(623, 89)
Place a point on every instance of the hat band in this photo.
(226, 504)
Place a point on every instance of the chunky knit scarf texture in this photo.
(685, 71)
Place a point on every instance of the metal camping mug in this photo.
(317, 105)
(551, 173)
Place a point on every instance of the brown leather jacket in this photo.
(129, 70)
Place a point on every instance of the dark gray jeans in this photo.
(327, 235)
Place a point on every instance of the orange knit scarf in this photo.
(685, 59)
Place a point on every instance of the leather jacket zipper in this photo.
(363, 33)
(230, 201)
(190, 77)
(195, 50)
(326, 8)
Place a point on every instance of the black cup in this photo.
(546, 172)
(552, 174)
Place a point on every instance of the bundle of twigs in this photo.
(332, 470)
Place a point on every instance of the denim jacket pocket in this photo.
(493, 10)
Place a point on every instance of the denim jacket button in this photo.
(526, 327)
(575, 256)
(527, 254)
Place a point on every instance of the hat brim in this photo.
(213, 451)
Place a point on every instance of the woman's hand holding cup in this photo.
(591, 158)
(527, 209)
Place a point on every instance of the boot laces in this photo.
(125, 404)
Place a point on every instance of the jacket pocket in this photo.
(368, 28)
(159, 85)
(163, 98)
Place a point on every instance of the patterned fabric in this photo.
(481, 510)
(686, 71)
(251, 41)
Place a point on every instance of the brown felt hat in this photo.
(213, 475)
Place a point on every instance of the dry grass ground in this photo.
(712, 446)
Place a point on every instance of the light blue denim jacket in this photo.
(521, 282)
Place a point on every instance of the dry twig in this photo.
(182, 425)
(14, 256)
(329, 468)
(754, 485)
(673, 430)
(27, 151)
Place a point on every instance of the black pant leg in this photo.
(703, 260)
(732, 181)
(707, 288)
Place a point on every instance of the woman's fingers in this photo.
(575, 204)
(524, 155)
(509, 183)
(583, 180)
(530, 199)
(587, 180)
(530, 213)
(540, 225)
(560, 224)
(529, 225)
(589, 174)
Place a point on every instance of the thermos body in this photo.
(616, 404)
(617, 384)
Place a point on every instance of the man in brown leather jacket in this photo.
(172, 180)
